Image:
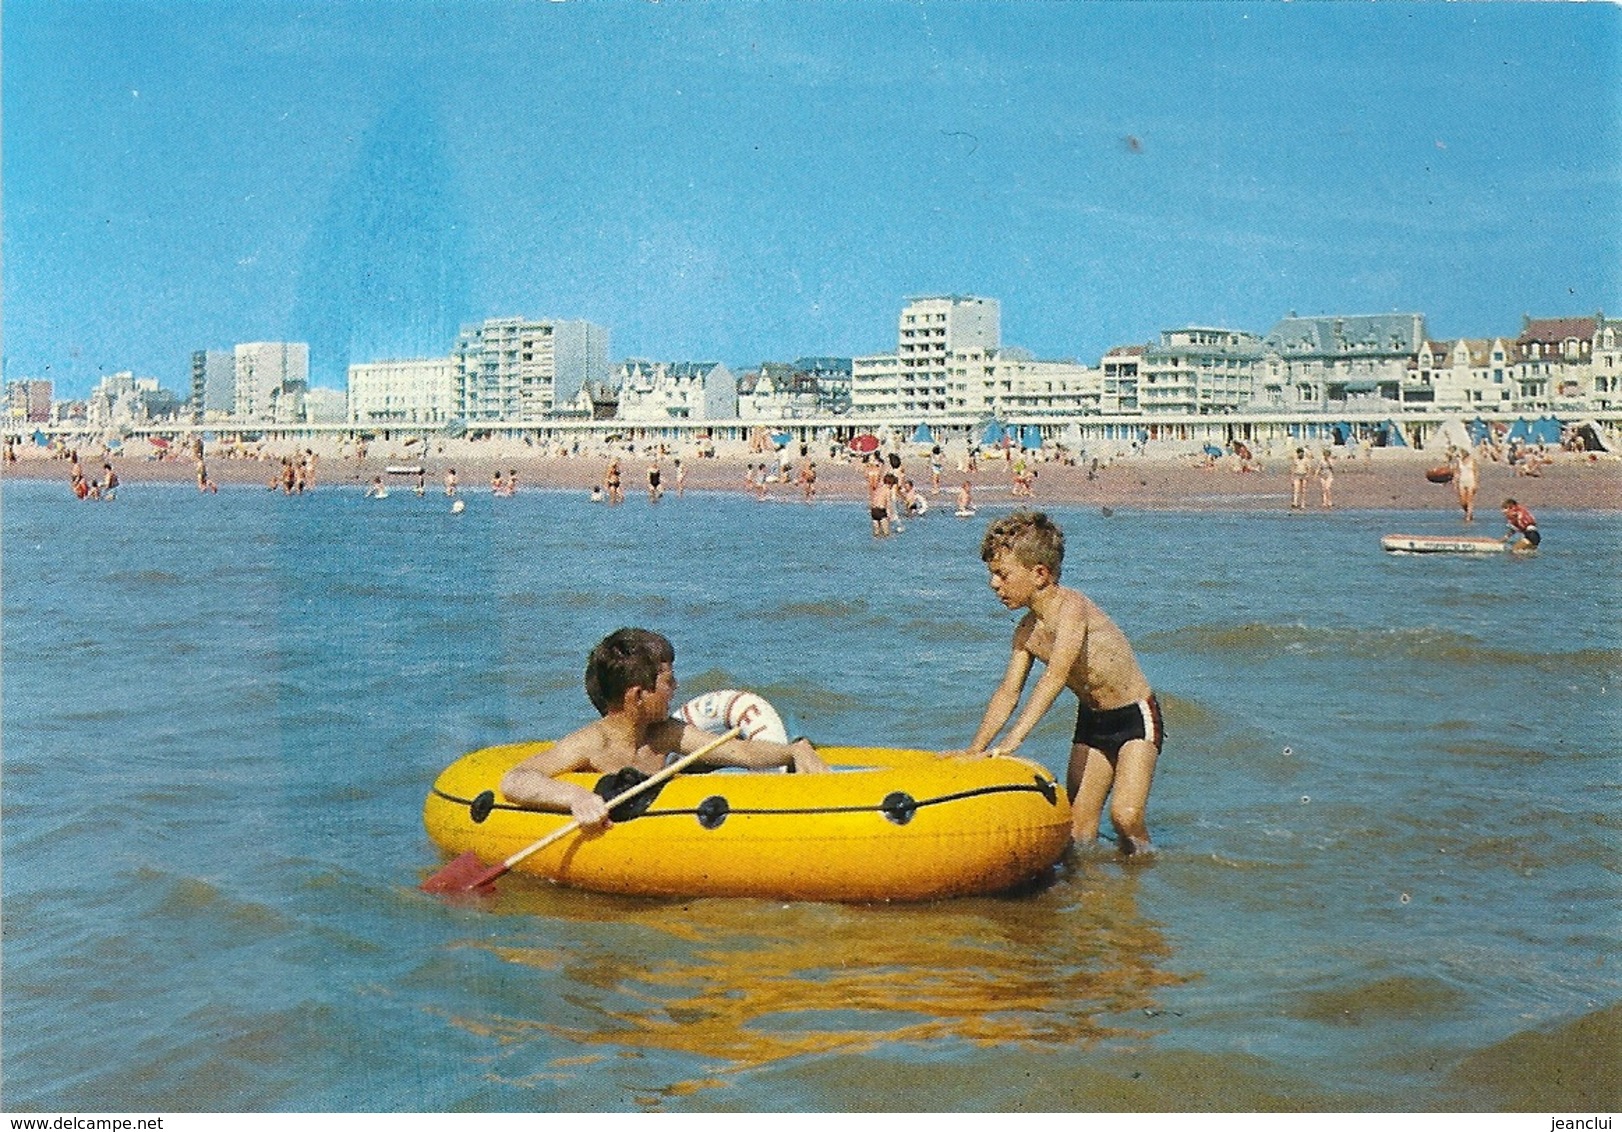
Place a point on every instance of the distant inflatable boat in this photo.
(884, 825)
(1440, 544)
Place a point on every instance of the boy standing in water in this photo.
(1118, 728)
(630, 679)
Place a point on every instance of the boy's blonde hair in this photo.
(1030, 536)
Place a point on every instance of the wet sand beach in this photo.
(1388, 479)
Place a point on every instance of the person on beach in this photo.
(965, 499)
(1326, 479)
(1300, 469)
(878, 502)
(681, 479)
(1466, 480)
(611, 483)
(808, 480)
(109, 481)
(1523, 528)
(450, 481)
(1118, 732)
(377, 490)
(630, 680)
(655, 474)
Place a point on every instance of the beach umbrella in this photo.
(781, 439)
(1212, 450)
(159, 441)
(864, 444)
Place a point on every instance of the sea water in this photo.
(1386, 814)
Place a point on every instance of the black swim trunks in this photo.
(1108, 730)
(1531, 535)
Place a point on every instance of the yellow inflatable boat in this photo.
(886, 825)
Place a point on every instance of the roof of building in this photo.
(1558, 329)
(1330, 335)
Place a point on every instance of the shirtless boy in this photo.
(630, 679)
(1118, 729)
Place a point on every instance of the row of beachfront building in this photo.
(949, 365)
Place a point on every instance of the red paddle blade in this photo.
(468, 873)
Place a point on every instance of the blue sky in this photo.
(748, 181)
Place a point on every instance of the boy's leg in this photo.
(1088, 782)
(1129, 804)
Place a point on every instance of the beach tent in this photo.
(1343, 434)
(1391, 436)
(1594, 437)
(1071, 437)
(1451, 433)
(1545, 430)
(1031, 438)
(1478, 431)
(994, 435)
(1521, 430)
(922, 435)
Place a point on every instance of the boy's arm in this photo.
(1069, 637)
(1003, 701)
(533, 784)
(753, 754)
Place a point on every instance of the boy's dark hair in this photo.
(1032, 538)
(625, 659)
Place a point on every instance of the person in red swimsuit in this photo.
(1522, 524)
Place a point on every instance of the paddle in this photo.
(469, 873)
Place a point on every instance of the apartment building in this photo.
(944, 344)
(1310, 364)
(808, 387)
(28, 401)
(659, 392)
(518, 369)
(1016, 383)
(213, 383)
(1554, 361)
(1198, 369)
(267, 380)
(407, 392)
(1463, 374)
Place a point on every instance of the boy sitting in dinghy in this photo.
(1118, 729)
(630, 678)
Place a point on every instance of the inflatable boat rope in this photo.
(898, 806)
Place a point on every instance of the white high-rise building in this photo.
(270, 376)
(519, 369)
(944, 344)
